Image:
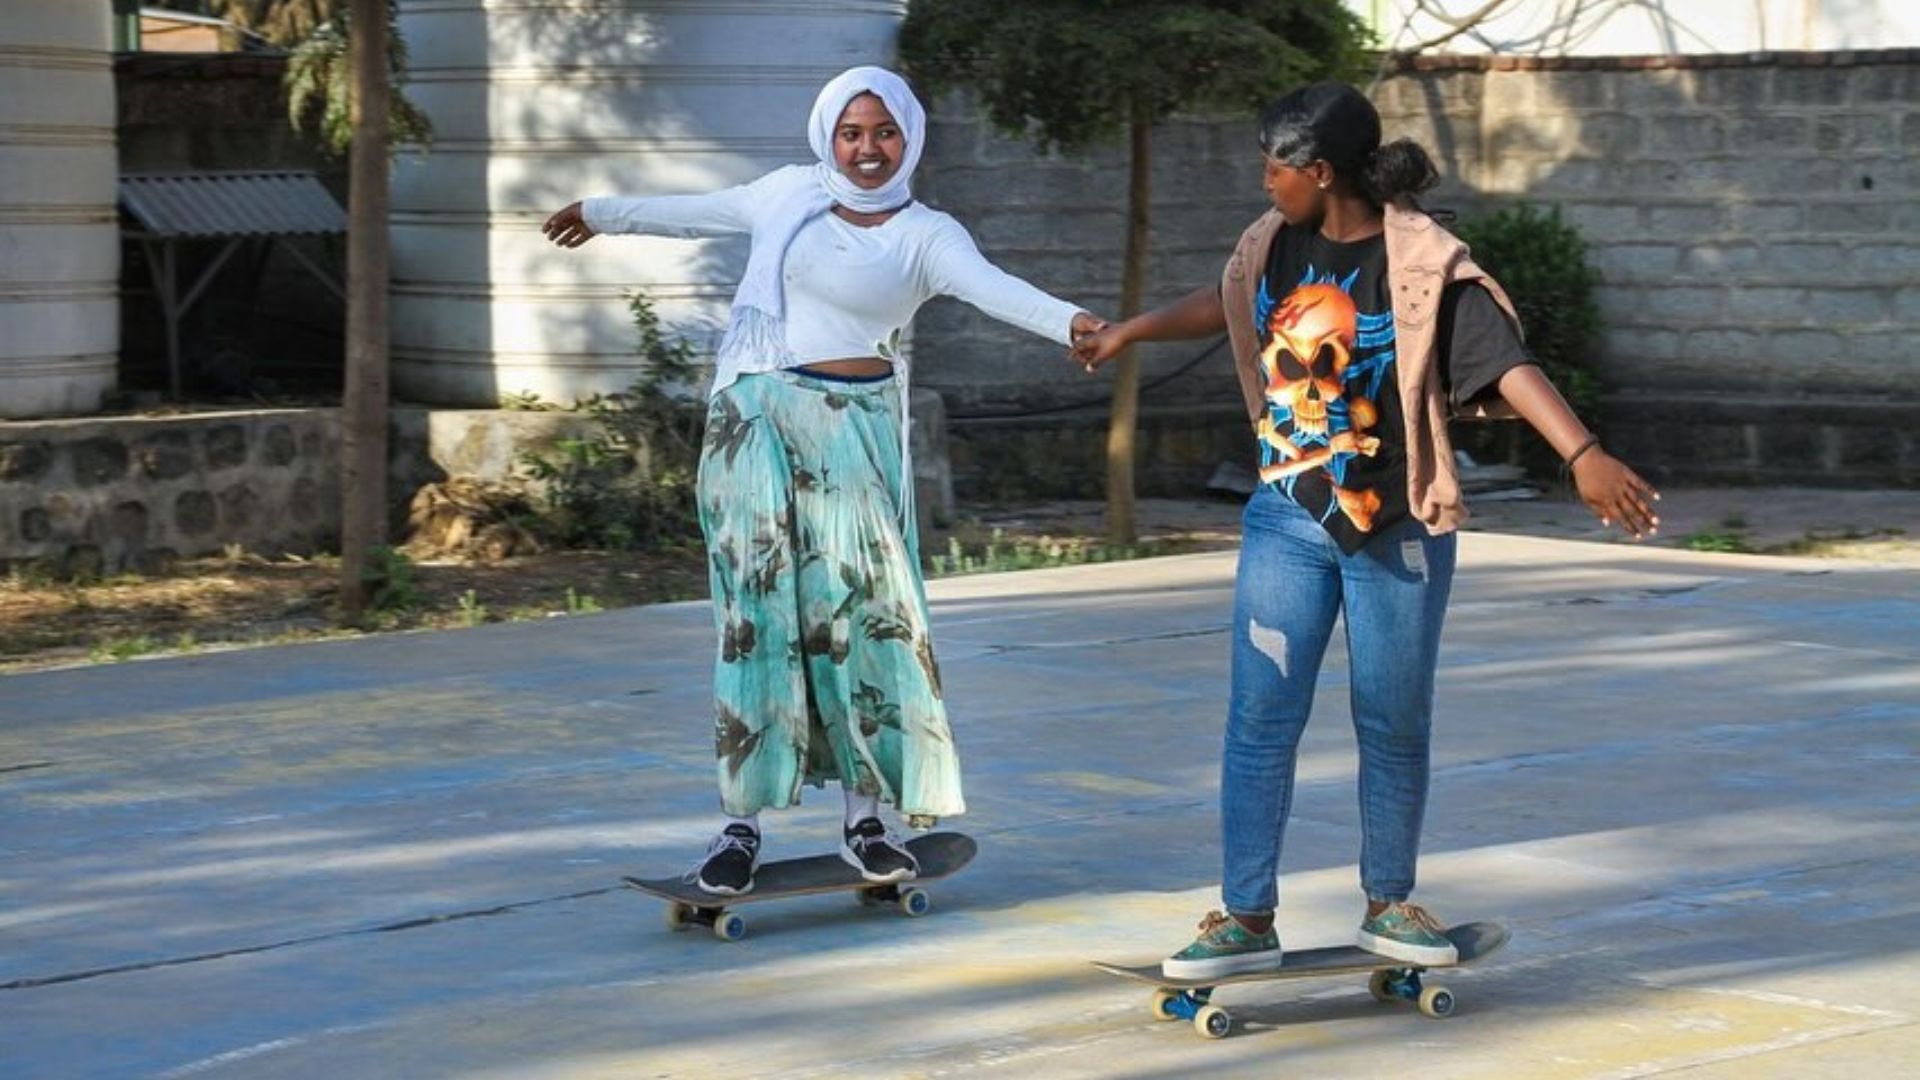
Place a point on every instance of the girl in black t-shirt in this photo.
(1358, 324)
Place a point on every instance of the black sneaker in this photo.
(879, 855)
(731, 858)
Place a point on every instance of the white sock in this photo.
(751, 821)
(861, 807)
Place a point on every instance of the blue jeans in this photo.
(1292, 582)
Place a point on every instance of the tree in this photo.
(363, 413)
(1070, 73)
(319, 73)
(285, 23)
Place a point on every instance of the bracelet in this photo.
(1592, 441)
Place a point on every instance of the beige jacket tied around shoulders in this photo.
(1422, 260)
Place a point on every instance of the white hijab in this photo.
(757, 326)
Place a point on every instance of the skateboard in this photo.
(939, 855)
(1391, 980)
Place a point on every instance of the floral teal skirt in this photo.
(825, 668)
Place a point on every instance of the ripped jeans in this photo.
(1292, 582)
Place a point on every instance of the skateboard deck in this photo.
(939, 855)
(1391, 980)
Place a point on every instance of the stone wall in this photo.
(91, 496)
(86, 497)
(1753, 218)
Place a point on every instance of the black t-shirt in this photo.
(1334, 436)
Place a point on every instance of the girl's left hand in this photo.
(1615, 493)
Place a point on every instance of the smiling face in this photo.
(1299, 192)
(868, 145)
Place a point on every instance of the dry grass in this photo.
(249, 600)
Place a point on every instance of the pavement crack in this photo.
(26, 766)
(1100, 643)
(37, 981)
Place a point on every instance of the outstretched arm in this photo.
(1614, 492)
(1200, 313)
(716, 213)
(956, 268)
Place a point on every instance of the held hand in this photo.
(1085, 323)
(1095, 349)
(1615, 493)
(568, 228)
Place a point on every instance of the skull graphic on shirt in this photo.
(1320, 413)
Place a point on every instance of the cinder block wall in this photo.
(1753, 218)
(1756, 223)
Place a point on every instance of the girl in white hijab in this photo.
(825, 667)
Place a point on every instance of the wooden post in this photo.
(363, 419)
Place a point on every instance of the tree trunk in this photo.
(363, 414)
(1123, 422)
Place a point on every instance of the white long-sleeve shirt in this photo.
(849, 289)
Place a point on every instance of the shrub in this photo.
(630, 484)
(1541, 260)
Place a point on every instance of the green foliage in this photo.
(388, 577)
(115, 649)
(1070, 73)
(579, 603)
(998, 553)
(472, 611)
(1541, 260)
(630, 484)
(319, 84)
(525, 401)
(1716, 541)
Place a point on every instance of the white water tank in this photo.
(540, 102)
(59, 233)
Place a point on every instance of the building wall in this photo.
(1754, 222)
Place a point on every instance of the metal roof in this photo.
(198, 204)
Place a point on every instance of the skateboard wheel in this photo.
(1380, 984)
(678, 915)
(1437, 1002)
(914, 902)
(1213, 1022)
(729, 928)
(1163, 1004)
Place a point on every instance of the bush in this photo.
(630, 484)
(1541, 260)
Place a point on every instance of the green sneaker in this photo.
(1407, 932)
(1224, 947)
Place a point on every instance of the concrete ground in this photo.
(1686, 781)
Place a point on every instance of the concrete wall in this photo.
(1021, 418)
(1756, 224)
(1754, 220)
